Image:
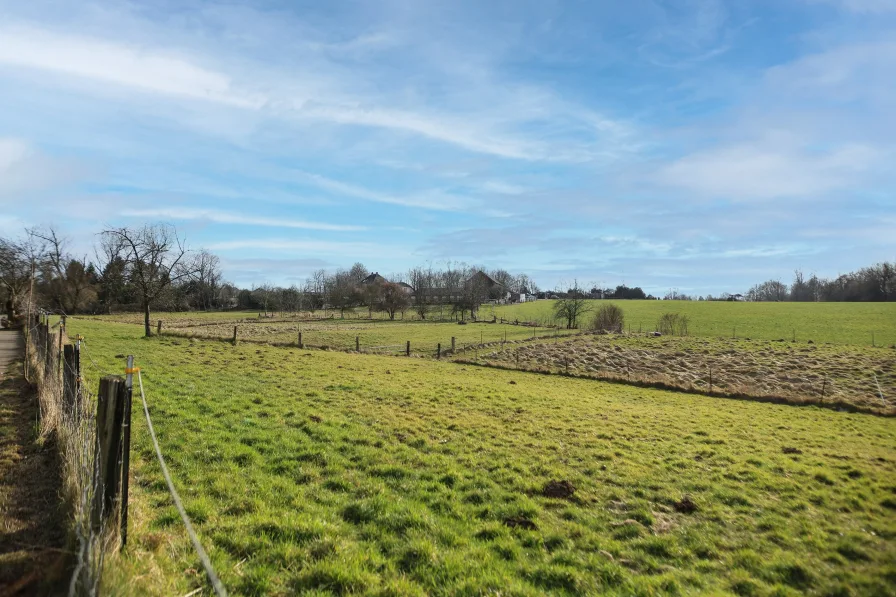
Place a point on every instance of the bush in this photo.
(609, 318)
(673, 324)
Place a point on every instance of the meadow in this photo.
(837, 323)
(330, 473)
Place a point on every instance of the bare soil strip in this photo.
(33, 559)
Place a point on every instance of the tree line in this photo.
(876, 283)
(149, 267)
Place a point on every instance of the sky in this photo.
(695, 145)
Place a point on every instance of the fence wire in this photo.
(203, 556)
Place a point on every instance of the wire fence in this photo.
(92, 426)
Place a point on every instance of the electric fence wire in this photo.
(203, 556)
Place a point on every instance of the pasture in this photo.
(334, 473)
(837, 323)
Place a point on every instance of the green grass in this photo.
(838, 323)
(336, 473)
(375, 336)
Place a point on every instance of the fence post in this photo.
(234, 335)
(452, 344)
(109, 412)
(439, 350)
(301, 344)
(357, 343)
(71, 376)
(48, 352)
(59, 354)
(408, 349)
(159, 328)
(125, 465)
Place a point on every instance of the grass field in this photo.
(336, 473)
(838, 323)
(373, 335)
(385, 336)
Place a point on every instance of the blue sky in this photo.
(702, 145)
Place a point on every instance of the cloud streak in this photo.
(221, 217)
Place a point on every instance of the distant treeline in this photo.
(876, 283)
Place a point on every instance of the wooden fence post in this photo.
(439, 350)
(408, 349)
(234, 335)
(301, 344)
(109, 412)
(71, 377)
(357, 343)
(452, 343)
(159, 328)
(125, 463)
(48, 352)
(59, 354)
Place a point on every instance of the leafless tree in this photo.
(422, 280)
(206, 278)
(393, 298)
(156, 258)
(16, 273)
(574, 306)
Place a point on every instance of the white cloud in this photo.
(862, 6)
(222, 217)
(142, 68)
(24, 169)
(763, 171)
(11, 152)
(493, 117)
(425, 199)
(348, 250)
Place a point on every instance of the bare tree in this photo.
(205, 278)
(16, 274)
(572, 307)
(156, 258)
(393, 298)
(422, 280)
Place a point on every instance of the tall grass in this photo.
(74, 433)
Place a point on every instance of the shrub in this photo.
(673, 324)
(609, 318)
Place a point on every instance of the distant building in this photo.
(374, 278)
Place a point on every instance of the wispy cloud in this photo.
(343, 250)
(764, 171)
(144, 69)
(222, 217)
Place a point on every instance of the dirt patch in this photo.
(520, 522)
(685, 505)
(791, 450)
(558, 489)
(33, 559)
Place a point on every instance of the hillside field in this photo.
(838, 323)
(334, 473)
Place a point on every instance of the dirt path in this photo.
(32, 532)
